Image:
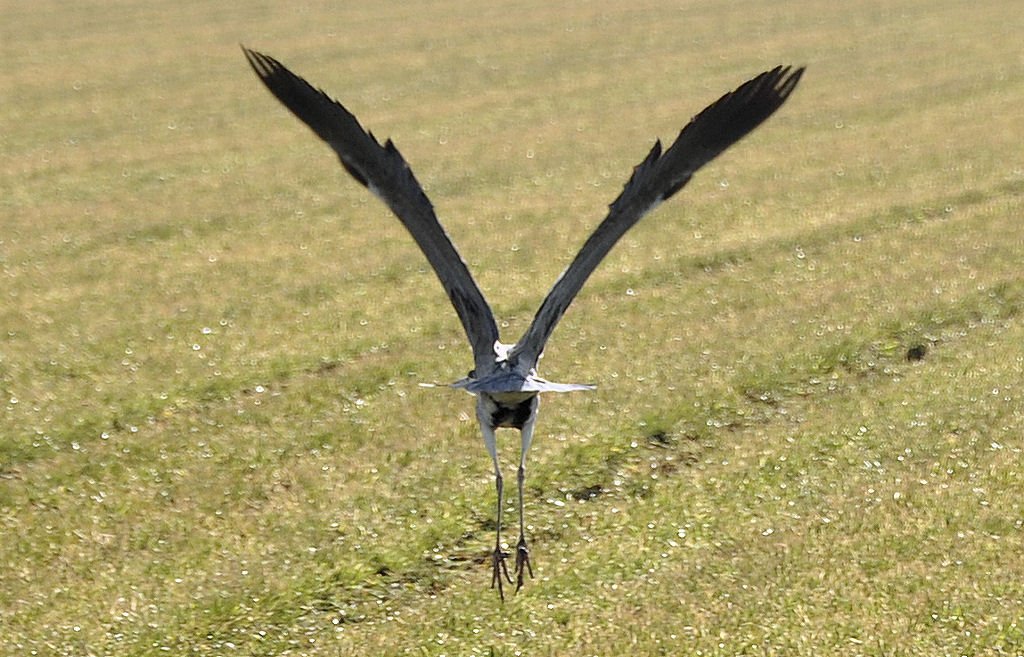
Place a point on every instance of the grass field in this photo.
(212, 437)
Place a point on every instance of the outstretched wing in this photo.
(384, 171)
(654, 180)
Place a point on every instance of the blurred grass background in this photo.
(806, 436)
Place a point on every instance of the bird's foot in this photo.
(522, 563)
(500, 571)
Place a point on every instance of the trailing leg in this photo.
(499, 573)
(522, 552)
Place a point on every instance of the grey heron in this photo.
(504, 378)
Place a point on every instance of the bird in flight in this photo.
(504, 378)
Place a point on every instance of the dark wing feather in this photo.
(654, 180)
(385, 172)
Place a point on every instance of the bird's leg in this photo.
(522, 552)
(498, 557)
(500, 569)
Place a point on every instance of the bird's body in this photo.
(509, 410)
(504, 379)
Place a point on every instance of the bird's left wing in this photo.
(384, 171)
(654, 180)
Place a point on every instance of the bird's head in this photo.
(501, 351)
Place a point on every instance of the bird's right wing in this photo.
(384, 171)
(654, 180)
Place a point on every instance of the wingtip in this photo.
(793, 73)
(257, 60)
(788, 74)
(789, 79)
(263, 65)
(778, 82)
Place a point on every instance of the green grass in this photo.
(806, 436)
